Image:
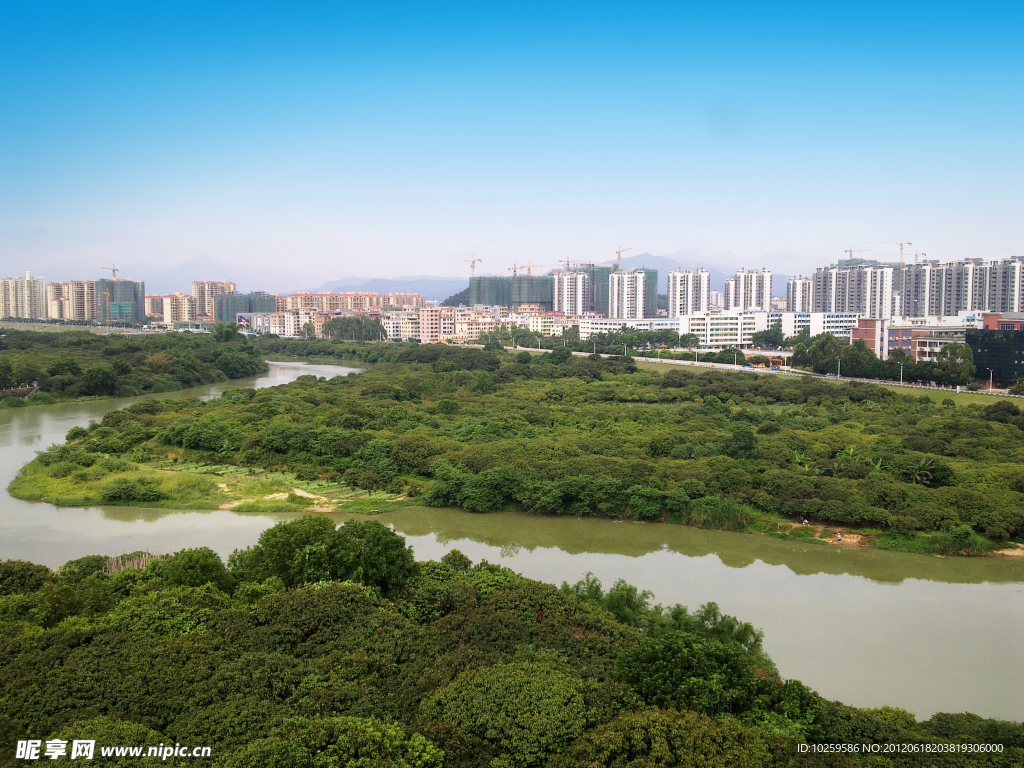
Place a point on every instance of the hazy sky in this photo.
(372, 140)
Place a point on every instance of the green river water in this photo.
(864, 626)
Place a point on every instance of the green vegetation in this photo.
(561, 435)
(954, 363)
(72, 364)
(324, 647)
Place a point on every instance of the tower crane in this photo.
(619, 254)
(851, 251)
(529, 267)
(113, 271)
(472, 264)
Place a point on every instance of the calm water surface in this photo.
(867, 627)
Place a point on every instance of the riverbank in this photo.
(902, 623)
(566, 436)
(170, 483)
(173, 482)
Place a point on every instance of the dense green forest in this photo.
(71, 364)
(325, 647)
(561, 435)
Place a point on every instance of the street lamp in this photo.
(901, 371)
(839, 367)
(989, 379)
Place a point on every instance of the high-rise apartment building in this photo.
(627, 294)
(23, 297)
(120, 301)
(749, 290)
(933, 288)
(204, 291)
(689, 292)
(799, 294)
(179, 308)
(866, 289)
(72, 300)
(572, 293)
(154, 306)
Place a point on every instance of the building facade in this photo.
(23, 297)
(155, 306)
(933, 288)
(689, 292)
(866, 289)
(998, 355)
(203, 293)
(627, 294)
(120, 301)
(748, 290)
(571, 293)
(228, 306)
(72, 300)
(799, 294)
(512, 291)
(178, 308)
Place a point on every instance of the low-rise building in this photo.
(998, 354)
(920, 337)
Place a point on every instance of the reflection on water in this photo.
(864, 626)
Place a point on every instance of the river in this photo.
(866, 627)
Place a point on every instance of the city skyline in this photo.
(316, 142)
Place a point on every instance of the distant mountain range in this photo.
(433, 288)
(255, 278)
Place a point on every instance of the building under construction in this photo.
(513, 291)
(120, 301)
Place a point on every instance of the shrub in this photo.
(528, 711)
(194, 568)
(18, 577)
(718, 512)
(126, 489)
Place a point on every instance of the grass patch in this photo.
(268, 505)
(959, 541)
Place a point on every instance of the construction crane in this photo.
(472, 264)
(902, 244)
(113, 270)
(619, 254)
(851, 252)
(529, 267)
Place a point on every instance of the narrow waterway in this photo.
(863, 626)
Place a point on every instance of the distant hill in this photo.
(180, 277)
(434, 288)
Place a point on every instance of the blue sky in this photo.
(324, 141)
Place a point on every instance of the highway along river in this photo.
(866, 627)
